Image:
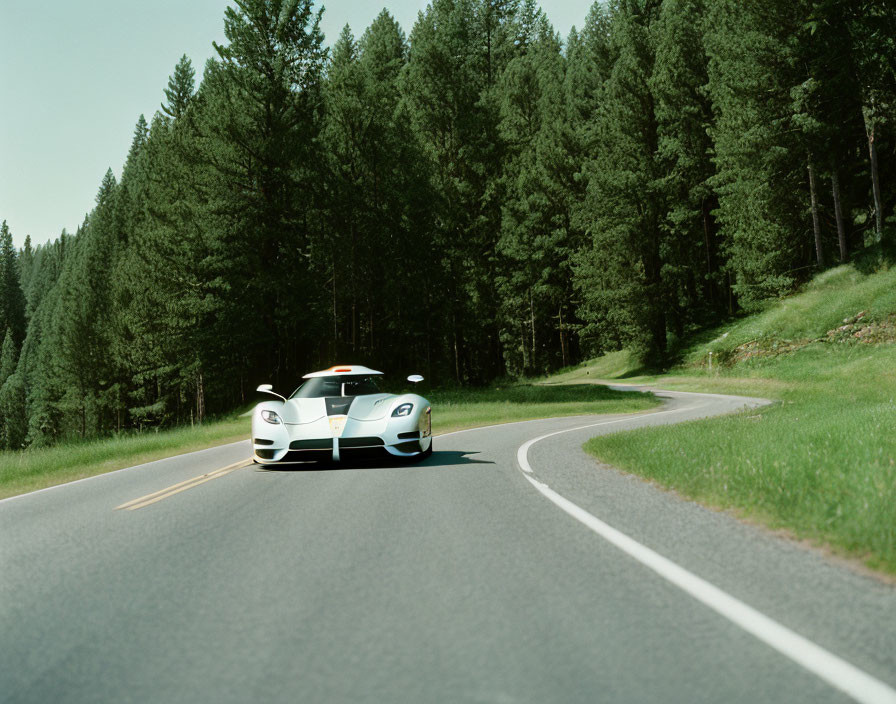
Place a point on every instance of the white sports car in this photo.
(340, 414)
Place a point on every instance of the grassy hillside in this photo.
(822, 461)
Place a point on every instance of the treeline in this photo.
(476, 200)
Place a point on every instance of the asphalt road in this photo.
(460, 579)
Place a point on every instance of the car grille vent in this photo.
(360, 442)
(317, 444)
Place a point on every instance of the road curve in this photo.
(451, 580)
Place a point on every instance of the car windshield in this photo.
(342, 385)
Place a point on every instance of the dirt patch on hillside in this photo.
(859, 329)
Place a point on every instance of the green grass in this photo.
(820, 462)
(21, 472)
(615, 365)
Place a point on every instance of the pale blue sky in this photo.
(74, 77)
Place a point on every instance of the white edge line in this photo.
(849, 679)
(523, 451)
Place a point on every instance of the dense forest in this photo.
(477, 199)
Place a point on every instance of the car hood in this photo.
(308, 410)
(372, 407)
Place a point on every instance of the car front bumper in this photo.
(337, 438)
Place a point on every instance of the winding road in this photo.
(508, 567)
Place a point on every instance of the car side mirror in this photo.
(269, 389)
(415, 378)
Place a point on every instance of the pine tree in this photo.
(449, 90)
(141, 132)
(26, 266)
(181, 86)
(131, 193)
(12, 411)
(537, 235)
(257, 125)
(80, 331)
(685, 149)
(35, 371)
(827, 108)
(167, 285)
(762, 178)
(591, 55)
(590, 58)
(7, 357)
(872, 28)
(12, 300)
(378, 206)
(346, 135)
(621, 276)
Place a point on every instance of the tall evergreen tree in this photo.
(12, 408)
(448, 88)
(762, 178)
(141, 132)
(80, 332)
(258, 132)
(621, 276)
(26, 266)
(180, 90)
(12, 300)
(346, 135)
(36, 371)
(7, 357)
(129, 205)
(537, 237)
(378, 203)
(168, 286)
(590, 56)
(872, 28)
(827, 108)
(685, 149)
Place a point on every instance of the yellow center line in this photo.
(181, 486)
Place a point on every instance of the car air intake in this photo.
(317, 444)
(348, 443)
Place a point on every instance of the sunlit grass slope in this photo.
(831, 299)
(821, 461)
(452, 410)
(21, 472)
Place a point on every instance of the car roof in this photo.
(341, 369)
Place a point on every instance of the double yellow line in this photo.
(182, 486)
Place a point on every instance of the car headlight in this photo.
(271, 417)
(403, 410)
